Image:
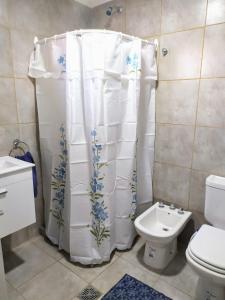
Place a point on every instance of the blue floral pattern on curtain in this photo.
(133, 62)
(99, 210)
(133, 187)
(62, 61)
(59, 180)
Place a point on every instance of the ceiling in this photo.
(92, 3)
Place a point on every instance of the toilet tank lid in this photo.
(216, 182)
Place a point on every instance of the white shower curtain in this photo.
(96, 106)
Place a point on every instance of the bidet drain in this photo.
(165, 229)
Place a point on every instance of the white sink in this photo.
(10, 164)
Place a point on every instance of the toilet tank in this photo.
(215, 201)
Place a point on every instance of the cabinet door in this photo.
(17, 208)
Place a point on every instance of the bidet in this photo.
(159, 226)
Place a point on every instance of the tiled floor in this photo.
(38, 271)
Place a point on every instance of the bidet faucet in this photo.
(180, 211)
(161, 204)
(172, 206)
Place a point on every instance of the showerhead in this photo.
(112, 10)
(109, 11)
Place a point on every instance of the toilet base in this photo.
(206, 290)
(158, 256)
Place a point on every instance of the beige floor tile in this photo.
(13, 294)
(42, 243)
(117, 270)
(55, 283)
(37, 274)
(119, 252)
(180, 275)
(25, 262)
(170, 291)
(87, 273)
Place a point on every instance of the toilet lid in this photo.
(208, 246)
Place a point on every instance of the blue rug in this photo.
(129, 288)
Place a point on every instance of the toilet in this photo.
(206, 249)
(159, 226)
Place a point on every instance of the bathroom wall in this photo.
(20, 21)
(190, 100)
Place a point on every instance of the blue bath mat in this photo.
(129, 288)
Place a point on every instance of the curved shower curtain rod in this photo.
(83, 31)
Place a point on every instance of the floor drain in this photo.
(89, 293)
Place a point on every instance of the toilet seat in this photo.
(207, 248)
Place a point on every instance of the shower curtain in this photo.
(96, 106)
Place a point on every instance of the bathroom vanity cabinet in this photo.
(17, 209)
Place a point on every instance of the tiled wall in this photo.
(20, 21)
(190, 110)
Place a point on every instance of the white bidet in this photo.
(159, 226)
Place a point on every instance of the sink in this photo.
(10, 164)
(4, 164)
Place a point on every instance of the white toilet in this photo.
(159, 226)
(206, 249)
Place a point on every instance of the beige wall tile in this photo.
(199, 219)
(215, 12)
(209, 149)
(174, 144)
(197, 191)
(180, 15)
(171, 184)
(8, 111)
(6, 68)
(211, 105)
(22, 46)
(143, 18)
(213, 64)
(76, 16)
(8, 133)
(57, 15)
(184, 55)
(67, 16)
(29, 16)
(177, 101)
(4, 12)
(101, 20)
(28, 134)
(26, 100)
(85, 15)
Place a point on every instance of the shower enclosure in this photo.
(96, 106)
